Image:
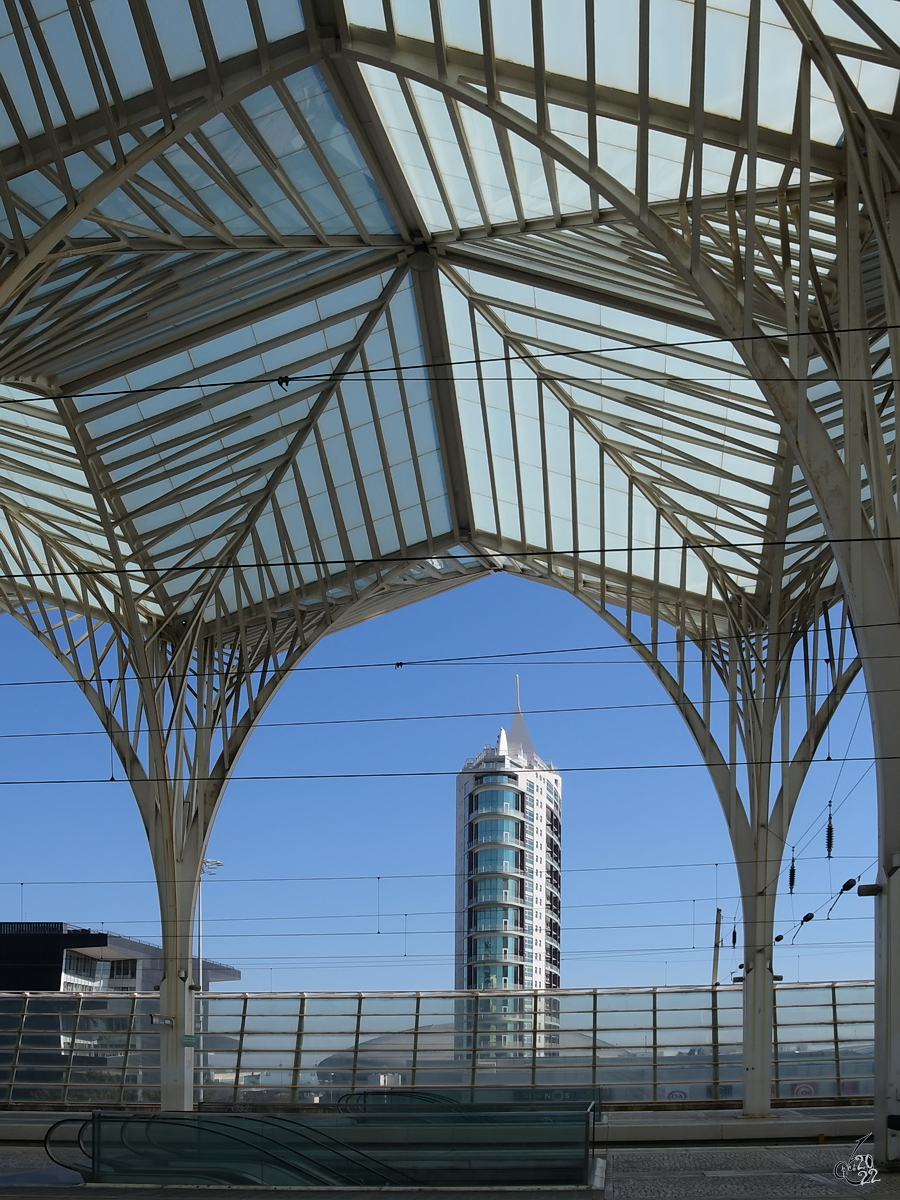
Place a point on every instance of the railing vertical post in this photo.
(714, 1010)
(588, 1126)
(414, 1066)
(359, 1006)
(14, 1070)
(298, 1050)
(837, 1041)
(76, 1022)
(95, 1145)
(655, 1052)
(594, 1086)
(130, 1046)
(472, 1080)
(534, 1040)
(776, 1057)
(240, 1053)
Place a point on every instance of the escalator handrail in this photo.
(346, 1103)
(54, 1127)
(304, 1164)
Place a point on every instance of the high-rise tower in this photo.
(508, 825)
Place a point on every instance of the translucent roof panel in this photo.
(311, 307)
(570, 390)
(102, 54)
(206, 459)
(48, 515)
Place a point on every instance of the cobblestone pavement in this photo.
(742, 1173)
(24, 1158)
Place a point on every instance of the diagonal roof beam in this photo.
(535, 266)
(326, 20)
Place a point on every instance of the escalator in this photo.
(235, 1150)
(370, 1144)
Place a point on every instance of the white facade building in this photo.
(508, 861)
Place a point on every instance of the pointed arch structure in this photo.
(309, 310)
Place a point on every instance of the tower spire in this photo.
(518, 736)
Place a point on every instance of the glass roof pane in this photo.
(461, 22)
(511, 27)
(281, 19)
(368, 13)
(231, 27)
(493, 182)
(671, 50)
(616, 27)
(408, 147)
(726, 56)
(780, 50)
(177, 36)
(321, 112)
(120, 38)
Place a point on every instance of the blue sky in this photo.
(322, 877)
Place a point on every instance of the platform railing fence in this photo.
(634, 1047)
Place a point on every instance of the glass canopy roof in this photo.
(302, 299)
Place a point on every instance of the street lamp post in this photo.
(209, 866)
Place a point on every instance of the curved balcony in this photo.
(510, 870)
(500, 959)
(496, 927)
(498, 839)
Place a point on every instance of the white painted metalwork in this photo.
(310, 309)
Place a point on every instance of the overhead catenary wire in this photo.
(396, 369)
(337, 721)
(382, 933)
(505, 658)
(467, 556)
(444, 956)
(435, 912)
(220, 880)
(281, 776)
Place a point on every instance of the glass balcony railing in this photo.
(496, 927)
(633, 1046)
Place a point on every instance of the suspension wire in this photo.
(218, 880)
(605, 768)
(337, 721)
(466, 557)
(509, 658)
(397, 369)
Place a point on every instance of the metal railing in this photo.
(630, 1046)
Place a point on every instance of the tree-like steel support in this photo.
(178, 704)
(757, 699)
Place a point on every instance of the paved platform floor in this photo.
(780, 1172)
(707, 1155)
(730, 1125)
